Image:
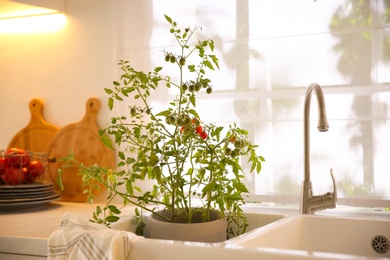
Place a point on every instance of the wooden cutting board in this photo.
(82, 138)
(36, 136)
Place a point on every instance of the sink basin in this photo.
(255, 220)
(310, 233)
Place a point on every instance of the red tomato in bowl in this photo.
(3, 165)
(13, 176)
(28, 178)
(17, 157)
(35, 168)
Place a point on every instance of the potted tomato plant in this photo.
(195, 165)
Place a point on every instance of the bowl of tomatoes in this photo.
(18, 166)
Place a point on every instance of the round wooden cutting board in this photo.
(82, 139)
(37, 134)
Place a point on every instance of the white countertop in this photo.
(24, 234)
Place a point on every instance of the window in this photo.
(270, 52)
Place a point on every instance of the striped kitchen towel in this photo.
(78, 238)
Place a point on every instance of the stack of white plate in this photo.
(26, 196)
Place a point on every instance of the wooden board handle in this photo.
(91, 110)
(37, 133)
(36, 108)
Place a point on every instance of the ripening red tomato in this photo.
(203, 135)
(13, 176)
(17, 157)
(199, 129)
(35, 168)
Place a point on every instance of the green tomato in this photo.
(184, 87)
(171, 119)
(239, 144)
(197, 86)
(228, 151)
(186, 131)
(182, 61)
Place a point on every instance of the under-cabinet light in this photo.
(33, 24)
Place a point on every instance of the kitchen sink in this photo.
(322, 234)
(255, 220)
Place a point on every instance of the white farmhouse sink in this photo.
(321, 234)
(255, 220)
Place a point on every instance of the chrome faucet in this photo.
(309, 202)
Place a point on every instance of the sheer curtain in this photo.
(270, 51)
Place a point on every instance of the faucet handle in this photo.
(334, 183)
(330, 199)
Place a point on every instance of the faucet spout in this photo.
(310, 203)
(322, 125)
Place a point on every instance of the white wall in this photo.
(64, 68)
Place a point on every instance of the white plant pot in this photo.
(209, 232)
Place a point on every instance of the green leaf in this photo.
(108, 91)
(157, 69)
(143, 78)
(112, 219)
(240, 186)
(114, 209)
(215, 60)
(210, 186)
(125, 92)
(211, 44)
(110, 103)
(164, 113)
(118, 97)
(106, 140)
(193, 100)
(208, 64)
(129, 187)
(59, 179)
(221, 204)
(157, 174)
(121, 155)
(193, 112)
(168, 18)
(258, 169)
(217, 131)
